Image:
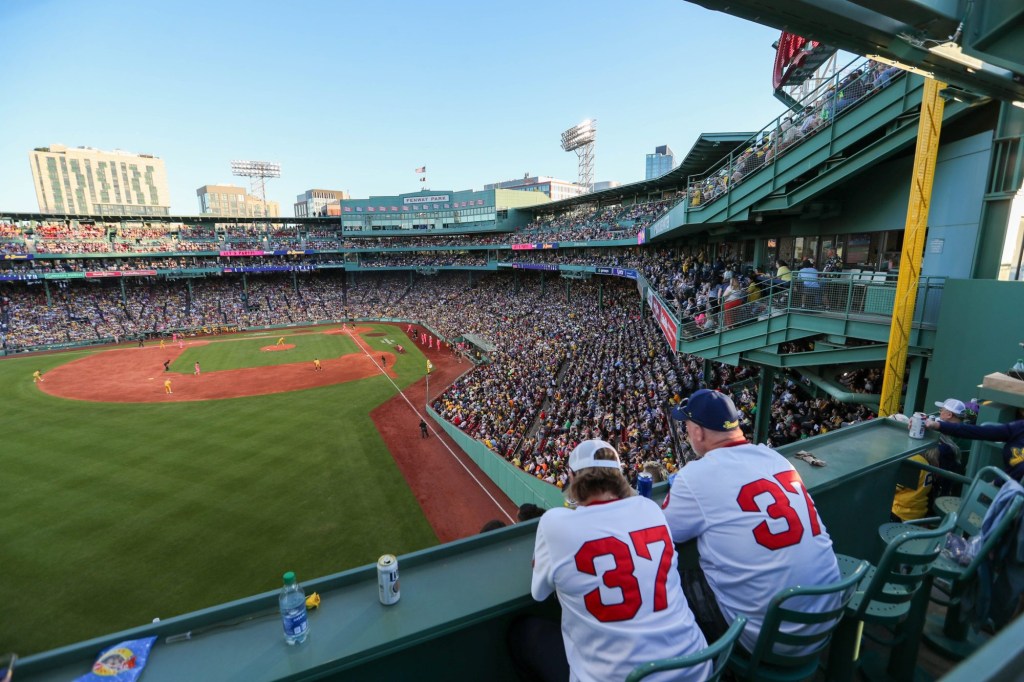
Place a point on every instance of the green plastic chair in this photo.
(719, 652)
(886, 597)
(951, 636)
(765, 662)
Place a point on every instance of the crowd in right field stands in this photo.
(566, 368)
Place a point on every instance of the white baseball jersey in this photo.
(614, 568)
(757, 531)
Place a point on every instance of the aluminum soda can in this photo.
(917, 425)
(387, 579)
(644, 484)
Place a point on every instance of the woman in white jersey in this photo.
(612, 563)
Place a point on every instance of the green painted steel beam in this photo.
(855, 124)
(896, 141)
(883, 30)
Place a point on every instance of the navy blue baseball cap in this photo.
(710, 409)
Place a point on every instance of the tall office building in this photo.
(660, 162)
(319, 202)
(554, 189)
(235, 202)
(83, 180)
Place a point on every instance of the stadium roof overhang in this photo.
(480, 342)
(705, 152)
(986, 58)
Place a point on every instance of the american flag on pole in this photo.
(421, 169)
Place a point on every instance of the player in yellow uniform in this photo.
(37, 377)
(280, 341)
(167, 387)
(161, 343)
(316, 365)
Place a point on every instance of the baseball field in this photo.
(122, 502)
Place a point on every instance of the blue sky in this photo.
(355, 96)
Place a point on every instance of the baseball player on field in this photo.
(613, 565)
(756, 526)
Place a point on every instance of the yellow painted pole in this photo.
(929, 126)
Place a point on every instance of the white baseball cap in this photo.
(953, 405)
(582, 456)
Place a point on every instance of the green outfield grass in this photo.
(238, 353)
(112, 514)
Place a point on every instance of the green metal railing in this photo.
(854, 295)
(850, 86)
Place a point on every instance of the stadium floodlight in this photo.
(257, 172)
(581, 139)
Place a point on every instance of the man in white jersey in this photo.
(757, 529)
(613, 565)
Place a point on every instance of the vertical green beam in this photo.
(124, 294)
(928, 129)
(568, 292)
(763, 418)
(915, 369)
(245, 283)
(46, 285)
(709, 370)
(600, 295)
(295, 282)
(1006, 169)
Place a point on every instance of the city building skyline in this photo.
(233, 201)
(319, 202)
(660, 162)
(553, 188)
(89, 181)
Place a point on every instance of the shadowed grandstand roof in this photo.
(705, 152)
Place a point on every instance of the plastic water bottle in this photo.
(293, 610)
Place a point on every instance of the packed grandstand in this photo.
(574, 359)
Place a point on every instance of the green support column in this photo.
(295, 282)
(124, 294)
(245, 283)
(763, 418)
(915, 377)
(188, 285)
(46, 285)
(600, 295)
(410, 278)
(1006, 170)
(709, 370)
(568, 292)
(760, 252)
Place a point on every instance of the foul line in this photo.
(430, 425)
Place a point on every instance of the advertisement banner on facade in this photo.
(660, 225)
(617, 272)
(248, 252)
(551, 267)
(665, 320)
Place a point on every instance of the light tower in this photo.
(257, 172)
(580, 139)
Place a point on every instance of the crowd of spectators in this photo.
(567, 365)
(853, 86)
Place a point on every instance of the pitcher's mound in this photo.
(271, 349)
